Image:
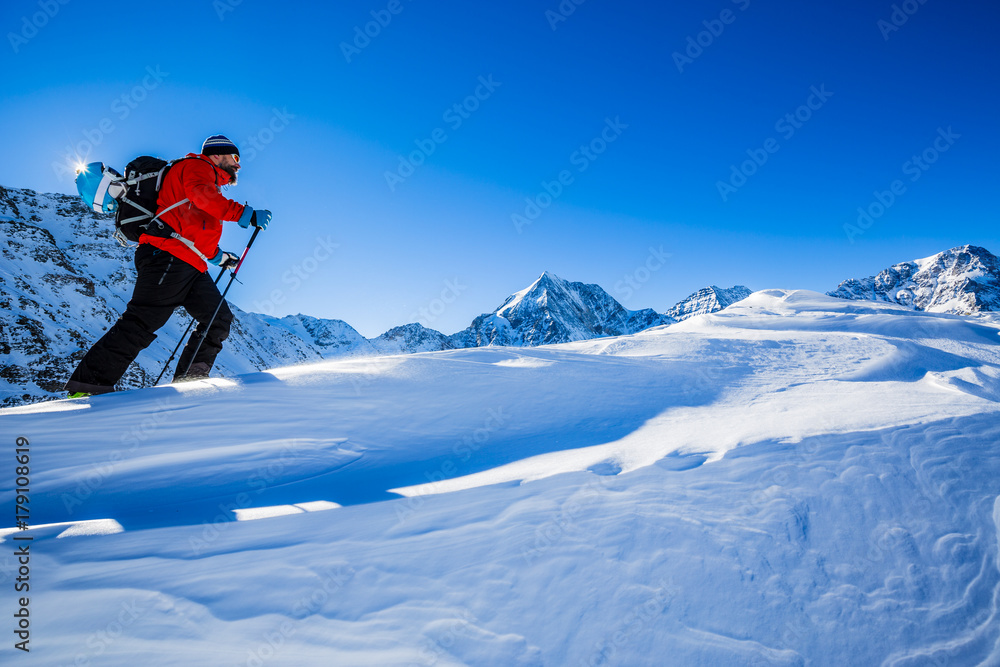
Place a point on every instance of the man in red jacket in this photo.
(172, 271)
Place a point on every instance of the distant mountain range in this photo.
(64, 280)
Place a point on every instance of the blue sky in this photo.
(642, 137)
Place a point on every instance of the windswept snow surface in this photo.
(795, 480)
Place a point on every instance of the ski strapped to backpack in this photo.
(132, 198)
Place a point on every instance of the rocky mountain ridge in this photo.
(964, 280)
(707, 300)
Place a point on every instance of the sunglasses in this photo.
(235, 157)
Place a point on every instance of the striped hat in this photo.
(219, 145)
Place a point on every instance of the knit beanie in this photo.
(219, 145)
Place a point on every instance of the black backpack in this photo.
(136, 213)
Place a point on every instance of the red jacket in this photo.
(200, 219)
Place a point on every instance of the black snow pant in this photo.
(164, 283)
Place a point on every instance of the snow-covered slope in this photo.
(553, 310)
(963, 280)
(707, 300)
(796, 480)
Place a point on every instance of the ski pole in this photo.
(222, 300)
(181, 339)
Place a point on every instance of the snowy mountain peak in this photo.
(409, 338)
(548, 275)
(707, 300)
(553, 310)
(963, 280)
(547, 287)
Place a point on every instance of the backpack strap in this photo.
(190, 244)
(142, 177)
(171, 207)
(107, 179)
(145, 213)
(173, 234)
(149, 214)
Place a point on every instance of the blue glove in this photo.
(226, 260)
(259, 218)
